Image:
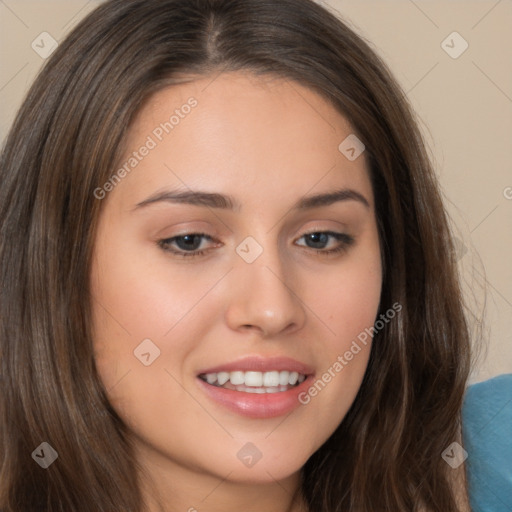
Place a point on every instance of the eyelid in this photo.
(345, 240)
(167, 241)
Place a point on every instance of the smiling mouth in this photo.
(255, 382)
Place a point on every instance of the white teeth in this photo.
(283, 378)
(222, 377)
(211, 378)
(254, 379)
(237, 378)
(273, 381)
(261, 390)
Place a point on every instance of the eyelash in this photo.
(346, 242)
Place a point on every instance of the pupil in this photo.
(189, 242)
(318, 238)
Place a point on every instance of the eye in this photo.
(187, 244)
(190, 244)
(318, 240)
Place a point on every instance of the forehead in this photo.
(252, 137)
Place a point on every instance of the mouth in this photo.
(255, 382)
(257, 387)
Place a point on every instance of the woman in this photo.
(228, 278)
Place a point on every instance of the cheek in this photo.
(348, 299)
(135, 310)
(349, 305)
(140, 292)
(139, 296)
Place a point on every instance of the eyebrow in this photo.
(225, 202)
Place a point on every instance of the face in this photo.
(236, 262)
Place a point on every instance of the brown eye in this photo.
(318, 240)
(188, 242)
(187, 245)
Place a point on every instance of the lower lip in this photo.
(255, 405)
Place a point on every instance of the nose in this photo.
(265, 298)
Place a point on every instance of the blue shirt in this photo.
(487, 436)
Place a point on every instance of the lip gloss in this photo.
(256, 405)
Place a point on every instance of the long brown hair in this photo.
(65, 142)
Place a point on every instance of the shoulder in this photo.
(487, 435)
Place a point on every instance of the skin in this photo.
(267, 143)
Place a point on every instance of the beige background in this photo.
(465, 104)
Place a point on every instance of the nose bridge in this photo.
(263, 296)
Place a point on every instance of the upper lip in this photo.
(260, 364)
